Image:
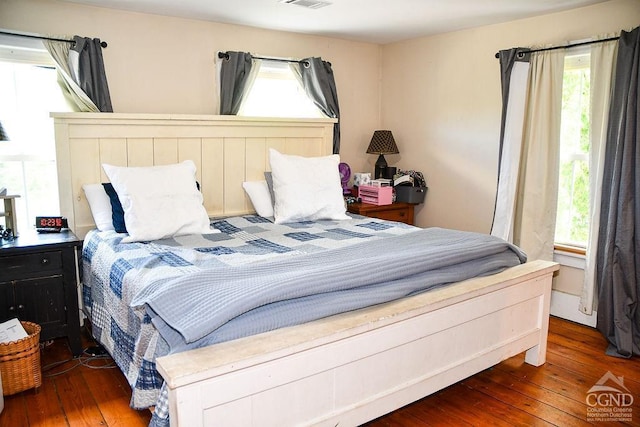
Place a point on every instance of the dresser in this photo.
(399, 211)
(38, 283)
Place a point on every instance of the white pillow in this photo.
(306, 188)
(159, 201)
(100, 206)
(258, 192)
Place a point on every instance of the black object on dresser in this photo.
(38, 283)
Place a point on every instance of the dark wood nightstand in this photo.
(399, 211)
(38, 283)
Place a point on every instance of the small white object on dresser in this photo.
(361, 179)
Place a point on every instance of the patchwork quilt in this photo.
(150, 299)
(114, 273)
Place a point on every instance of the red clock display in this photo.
(50, 223)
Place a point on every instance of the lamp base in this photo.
(380, 168)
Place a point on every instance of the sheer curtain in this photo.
(238, 72)
(618, 257)
(602, 67)
(537, 199)
(253, 75)
(75, 96)
(81, 73)
(526, 202)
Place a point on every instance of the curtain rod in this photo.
(30, 36)
(567, 46)
(225, 55)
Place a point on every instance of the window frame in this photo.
(30, 52)
(277, 70)
(578, 59)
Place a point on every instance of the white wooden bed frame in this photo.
(341, 370)
(227, 150)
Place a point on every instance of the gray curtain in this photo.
(507, 60)
(320, 86)
(87, 69)
(234, 74)
(514, 71)
(618, 257)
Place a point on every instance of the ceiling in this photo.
(374, 21)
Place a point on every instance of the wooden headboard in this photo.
(227, 150)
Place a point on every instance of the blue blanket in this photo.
(216, 305)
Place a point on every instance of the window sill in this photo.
(569, 249)
(570, 257)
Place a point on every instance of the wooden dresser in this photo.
(399, 211)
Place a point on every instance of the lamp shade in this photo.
(382, 142)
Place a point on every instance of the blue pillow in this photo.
(117, 213)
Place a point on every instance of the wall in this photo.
(158, 64)
(441, 97)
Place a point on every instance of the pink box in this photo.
(376, 195)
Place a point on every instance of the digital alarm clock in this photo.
(50, 224)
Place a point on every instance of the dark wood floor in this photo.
(509, 394)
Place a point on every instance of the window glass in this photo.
(27, 161)
(572, 222)
(277, 93)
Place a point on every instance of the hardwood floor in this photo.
(509, 394)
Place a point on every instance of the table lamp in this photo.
(382, 143)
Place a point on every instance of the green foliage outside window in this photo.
(572, 225)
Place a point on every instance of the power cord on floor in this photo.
(89, 358)
(84, 359)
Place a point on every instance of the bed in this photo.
(340, 368)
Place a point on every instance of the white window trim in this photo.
(570, 259)
(24, 50)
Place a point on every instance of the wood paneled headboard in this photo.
(227, 151)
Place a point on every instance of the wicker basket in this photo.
(20, 362)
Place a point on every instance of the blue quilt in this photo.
(150, 299)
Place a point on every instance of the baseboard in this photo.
(565, 306)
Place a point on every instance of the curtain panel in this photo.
(75, 96)
(81, 73)
(514, 74)
(602, 66)
(537, 194)
(87, 69)
(319, 85)
(235, 81)
(618, 256)
(526, 198)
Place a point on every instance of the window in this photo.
(277, 93)
(30, 92)
(572, 221)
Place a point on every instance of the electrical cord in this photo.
(88, 359)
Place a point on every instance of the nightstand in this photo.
(399, 211)
(38, 283)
